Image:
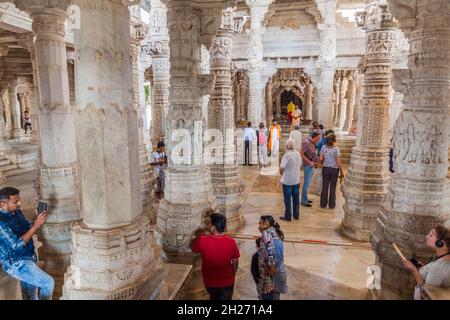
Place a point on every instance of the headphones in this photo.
(440, 243)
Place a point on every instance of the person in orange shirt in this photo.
(273, 144)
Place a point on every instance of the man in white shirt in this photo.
(290, 178)
(249, 137)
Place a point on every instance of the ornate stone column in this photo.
(16, 130)
(359, 79)
(336, 94)
(258, 9)
(57, 177)
(188, 191)
(365, 185)
(351, 94)
(269, 102)
(418, 193)
(326, 62)
(138, 34)
(225, 172)
(308, 97)
(111, 247)
(4, 143)
(27, 42)
(342, 103)
(160, 53)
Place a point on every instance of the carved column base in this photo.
(364, 190)
(109, 264)
(227, 189)
(409, 214)
(17, 134)
(187, 196)
(55, 252)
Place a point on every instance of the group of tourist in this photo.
(267, 141)
(220, 255)
(317, 152)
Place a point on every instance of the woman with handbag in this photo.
(331, 166)
(273, 277)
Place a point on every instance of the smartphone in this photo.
(415, 262)
(41, 207)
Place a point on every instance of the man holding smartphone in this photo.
(17, 252)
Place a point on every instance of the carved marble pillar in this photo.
(138, 34)
(258, 9)
(4, 143)
(365, 184)
(269, 102)
(418, 193)
(308, 97)
(277, 107)
(359, 79)
(342, 103)
(160, 53)
(351, 95)
(326, 62)
(336, 91)
(188, 190)
(237, 98)
(16, 130)
(111, 247)
(225, 170)
(57, 177)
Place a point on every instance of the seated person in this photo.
(437, 270)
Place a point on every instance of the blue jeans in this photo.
(308, 175)
(32, 280)
(291, 193)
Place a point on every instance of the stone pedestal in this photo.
(418, 193)
(111, 247)
(365, 185)
(225, 171)
(57, 177)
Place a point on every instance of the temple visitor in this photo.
(263, 135)
(296, 135)
(322, 129)
(290, 109)
(436, 271)
(296, 118)
(318, 172)
(290, 178)
(254, 267)
(274, 139)
(17, 252)
(249, 137)
(315, 126)
(27, 125)
(273, 279)
(220, 256)
(310, 158)
(159, 160)
(331, 167)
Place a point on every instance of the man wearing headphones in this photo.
(437, 270)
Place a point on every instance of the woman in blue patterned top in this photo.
(273, 277)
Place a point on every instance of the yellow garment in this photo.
(291, 107)
(269, 143)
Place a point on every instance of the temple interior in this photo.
(103, 81)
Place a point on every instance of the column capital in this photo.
(375, 16)
(49, 21)
(405, 11)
